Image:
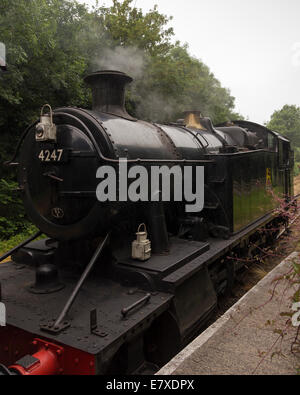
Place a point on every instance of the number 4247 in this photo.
(51, 156)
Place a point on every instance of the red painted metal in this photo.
(48, 360)
(16, 343)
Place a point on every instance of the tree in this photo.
(287, 122)
(44, 67)
(127, 26)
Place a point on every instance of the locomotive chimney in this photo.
(108, 90)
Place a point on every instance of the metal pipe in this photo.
(47, 364)
(158, 228)
(23, 244)
(127, 310)
(80, 283)
(10, 162)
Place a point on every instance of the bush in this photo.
(6, 245)
(12, 216)
(297, 169)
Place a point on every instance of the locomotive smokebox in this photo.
(108, 90)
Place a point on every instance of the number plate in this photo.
(53, 155)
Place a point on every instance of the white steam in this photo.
(130, 60)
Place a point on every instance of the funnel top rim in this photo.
(197, 112)
(106, 73)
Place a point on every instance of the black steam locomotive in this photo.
(81, 301)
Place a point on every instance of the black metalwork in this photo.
(4, 371)
(126, 310)
(82, 279)
(94, 325)
(46, 280)
(108, 89)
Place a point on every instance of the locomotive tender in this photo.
(77, 302)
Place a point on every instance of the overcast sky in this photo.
(252, 47)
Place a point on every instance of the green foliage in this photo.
(296, 268)
(127, 26)
(12, 218)
(176, 83)
(287, 122)
(297, 159)
(44, 64)
(6, 245)
(296, 297)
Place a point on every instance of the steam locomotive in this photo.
(119, 287)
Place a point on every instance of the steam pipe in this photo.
(47, 364)
(47, 360)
